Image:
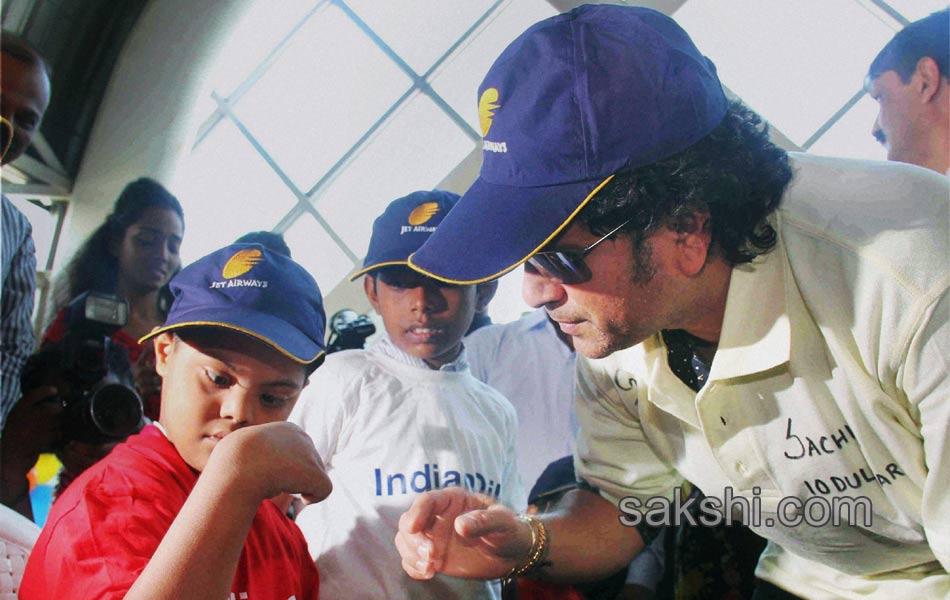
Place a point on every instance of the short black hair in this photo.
(735, 174)
(268, 239)
(17, 47)
(929, 36)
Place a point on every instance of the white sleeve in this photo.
(517, 496)
(925, 381)
(613, 454)
(321, 408)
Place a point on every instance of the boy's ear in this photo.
(484, 292)
(164, 345)
(369, 286)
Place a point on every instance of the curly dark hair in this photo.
(95, 267)
(735, 174)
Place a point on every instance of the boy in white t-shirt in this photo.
(402, 417)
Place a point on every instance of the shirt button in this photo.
(741, 468)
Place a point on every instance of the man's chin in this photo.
(592, 348)
(601, 346)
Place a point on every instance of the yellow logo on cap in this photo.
(486, 109)
(242, 262)
(423, 213)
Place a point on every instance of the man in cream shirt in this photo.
(770, 327)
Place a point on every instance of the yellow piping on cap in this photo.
(256, 336)
(364, 270)
(557, 232)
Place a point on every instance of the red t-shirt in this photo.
(57, 331)
(105, 527)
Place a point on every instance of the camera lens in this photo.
(116, 410)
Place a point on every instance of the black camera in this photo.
(99, 400)
(349, 330)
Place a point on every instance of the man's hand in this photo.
(462, 534)
(263, 461)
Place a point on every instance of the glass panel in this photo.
(317, 253)
(913, 10)
(796, 63)
(325, 91)
(851, 136)
(203, 109)
(257, 32)
(399, 25)
(458, 78)
(414, 151)
(227, 190)
(44, 227)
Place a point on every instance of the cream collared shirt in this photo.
(830, 382)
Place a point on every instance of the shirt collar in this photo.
(386, 347)
(756, 333)
(161, 428)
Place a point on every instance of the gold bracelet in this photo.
(539, 543)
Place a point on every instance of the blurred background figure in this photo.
(131, 256)
(909, 80)
(531, 362)
(24, 96)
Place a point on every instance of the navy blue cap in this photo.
(404, 226)
(574, 99)
(255, 291)
(557, 477)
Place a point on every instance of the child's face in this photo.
(424, 317)
(216, 381)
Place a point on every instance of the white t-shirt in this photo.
(830, 382)
(389, 428)
(527, 362)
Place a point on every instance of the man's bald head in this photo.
(24, 94)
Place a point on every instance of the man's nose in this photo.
(538, 290)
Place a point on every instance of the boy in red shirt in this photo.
(244, 332)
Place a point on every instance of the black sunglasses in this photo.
(567, 266)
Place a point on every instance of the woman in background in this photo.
(133, 254)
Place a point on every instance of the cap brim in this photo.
(494, 228)
(267, 329)
(380, 265)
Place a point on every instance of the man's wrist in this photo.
(536, 556)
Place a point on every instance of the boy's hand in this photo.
(271, 459)
(460, 533)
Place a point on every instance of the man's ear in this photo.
(369, 286)
(164, 344)
(484, 292)
(927, 76)
(694, 238)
